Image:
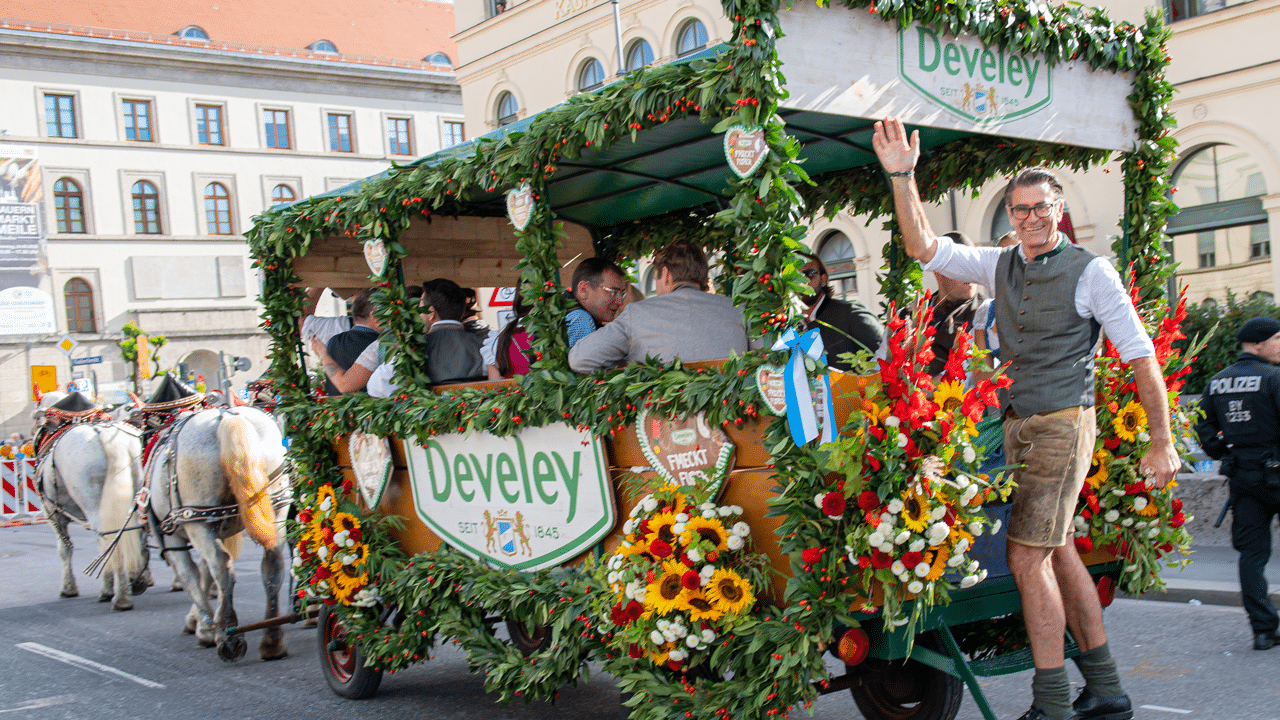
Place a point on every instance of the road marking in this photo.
(85, 663)
(1162, 708)
(40, 702)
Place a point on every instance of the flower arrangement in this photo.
(911, 468)
(1119, 510)
(678, 580)
(331, 554)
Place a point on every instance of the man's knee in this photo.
(1024, 559)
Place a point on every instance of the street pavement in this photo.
(1184, 653)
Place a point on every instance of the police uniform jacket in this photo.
(1243, 403)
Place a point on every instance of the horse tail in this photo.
(116, 507)
(245, 467)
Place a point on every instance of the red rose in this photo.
(691, 580)
(1084, 544)
(912, 559)
(811, 556)
(868, 500)
(634, 610)
(1177, 520)
(833, 504)
(322, 573)
(1086, 513)
(880, 560)
(354, 534)
(304, 516)
(660, 548)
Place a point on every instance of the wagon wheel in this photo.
(343, 663)
(910, 690)
(529, 641)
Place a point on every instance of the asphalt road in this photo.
(74, 658)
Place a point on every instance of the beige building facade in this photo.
(520, 58)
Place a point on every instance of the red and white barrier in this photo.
(19, 501)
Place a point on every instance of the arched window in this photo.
(78, 297)
(639, 55)
(217, 209)
(146, 209)
(281, 194)
(438, 58)
(1221, 220)
(323, 46)
(507, 109)
(590, 75)
(68, 203)
(692, 38)
(193, 32)
(838, 255)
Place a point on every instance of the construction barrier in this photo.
(19, 501)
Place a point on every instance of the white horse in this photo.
(214, 476)
(92, 475)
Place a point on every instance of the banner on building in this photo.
(26, 308)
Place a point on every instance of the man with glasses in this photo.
(846, 326)
(684, 321)
(1052, 298)
(600, 289)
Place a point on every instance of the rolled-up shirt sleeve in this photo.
(1102, 296)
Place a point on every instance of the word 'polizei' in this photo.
(1242, 384)
(991, 65)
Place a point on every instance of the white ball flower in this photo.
(678, 655)
(995, 528)
(1139, 503)
(887, 521)
(955, 560)
(892, 421)
(903, 536)
(916, 545)
(1153, 532)
(650, 503)
(915, 586)
(628, 526)
(961, 481)
(1079, 522)
(895, 506)
(975, 528)
(875, 539)
(967, 496)
(613, 578)
(734, 542)
(707, 571)
(1111, 516)
(692, 641)
(938, 513)
(656, 638)
(969, 455)
(921, 570)
(693, 554)
(968, 581)
(817, 499)
(677, 528)
(1118, 492)
(740, 529)
(897, 568)
(886, 548)
(1127, 522)
(682, 518)
(708, 636)
(901, 440)
(961, 546)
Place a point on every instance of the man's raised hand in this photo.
(897, 153)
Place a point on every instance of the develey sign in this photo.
(971, 80)
(527, 501)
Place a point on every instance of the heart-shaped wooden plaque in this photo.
(773, 390)
(745, 149)
(520, 206)
(375, 254)
(371, 461)
(687, 451)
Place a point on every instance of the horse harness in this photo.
(163, 448)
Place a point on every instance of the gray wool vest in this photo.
(1047, 345)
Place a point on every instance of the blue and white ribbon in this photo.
(802, 417)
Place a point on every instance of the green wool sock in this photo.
(1100, 674)
(1051, 692)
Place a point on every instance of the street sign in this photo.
(66, 344)
(90, 360)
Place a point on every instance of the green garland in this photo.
(443, 595)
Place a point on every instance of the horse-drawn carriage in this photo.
(685, 523)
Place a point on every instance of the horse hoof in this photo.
(122, 606)
(233, 648)
(139, 586)
(69, 593)
(176, 587)
(205, 643)
(104, 598)
(274, 655)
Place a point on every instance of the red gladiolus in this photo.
(691, 580)
(1175, 505)
(880, 560)
(874, 463)
(833, 504)
(1135, 488)
(635, 652)
(1177, 520)
(811, 556)
(868, 500)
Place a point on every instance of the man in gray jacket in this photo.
(684, 321)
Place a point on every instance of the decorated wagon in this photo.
(710, 530)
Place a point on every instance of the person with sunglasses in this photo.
(846, 326)
(683, 321)
(599, 287)
(1052, 299)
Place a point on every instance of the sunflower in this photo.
(695, 602)
(675, 497)
(325, 493)
(1130, 420)
(729, 592)
(1148, 510)
(347, 580)
(662, 653)
(345, 521)
(939, 564)
(958, 533)
(1098, 471)
(916, 512)
(660, 528)
(639, 548)
(949, 397)
(708, 529)
(663, 594)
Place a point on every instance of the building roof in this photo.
(363, 30)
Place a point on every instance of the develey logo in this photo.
(526, 501)
(973, 81)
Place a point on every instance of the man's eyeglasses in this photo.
(615, 293)
(1043, 210)
(809, 273)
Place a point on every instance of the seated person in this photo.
(683, 321)
(954, 308)
(453, 351)
(599, 288)
(345, 358)
(846, 326)
(507, 356)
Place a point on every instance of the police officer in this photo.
(1242, 421)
